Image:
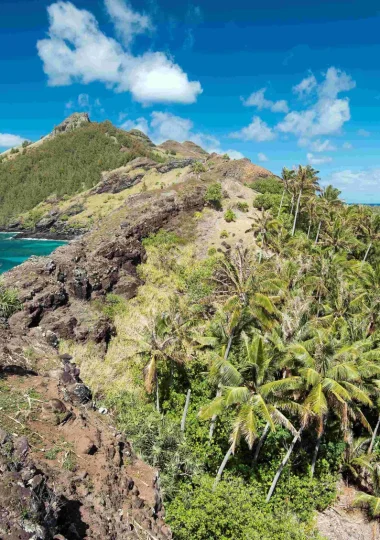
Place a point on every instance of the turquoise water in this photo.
(14, 252)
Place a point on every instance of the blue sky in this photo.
(292, 82)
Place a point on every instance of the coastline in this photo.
(31, 235)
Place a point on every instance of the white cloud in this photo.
(76, 50)
(257, 99)
(141, 124)
(84, 100)
(257, 130)
(357, 186)
(7, 140)
(329, 112)
(318, 160)
(234, 154)
(262, 157)
(347, 145)
(363, 133)
(306, 86)
(168, 126)
(318, 145)
(127, 22)
(163, 126)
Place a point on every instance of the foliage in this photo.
(242, 206)
(161, 238)
(66, 164)
(229, 215)
(234, 510)
(9, 301)
(267, 201)
(214, 194)
(268, 185)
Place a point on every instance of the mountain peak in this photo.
(72, 122)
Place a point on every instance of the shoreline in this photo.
(31, 235)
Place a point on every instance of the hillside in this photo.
(201, 361)
(68, 161)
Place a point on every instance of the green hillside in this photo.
(68, 163)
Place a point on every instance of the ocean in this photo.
(15, 251)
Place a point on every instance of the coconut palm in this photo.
(256, 398)
(307, 182)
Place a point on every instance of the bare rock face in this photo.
(185, 149)
(74, 121)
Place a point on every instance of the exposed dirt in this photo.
(344, 522)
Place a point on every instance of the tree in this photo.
(306, 181)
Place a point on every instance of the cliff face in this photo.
(74, 121)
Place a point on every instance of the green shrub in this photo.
(268, 185)
(267, 201)
(111, 306)
(234, 511)
(229, 215)
(162, 238)
(224, 234)
(242, 206)
(214, 195)
(9, 302)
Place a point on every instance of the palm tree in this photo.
(287, 176)
(332, 381)
(254, 398)
(306, 181)
(371, 502)
(264, 227)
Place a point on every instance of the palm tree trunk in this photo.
(318, 231)
(219, 392)
(283, 464)
(222, 466)
(291, 210)
(187, 403)
(308, 230)
(315, 454)
(157, 396)
(374, 434)
(259, 446)
(367, 252)
(296, 212)
(282, 200)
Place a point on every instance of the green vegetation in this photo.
(214, 195)
(67, 164)
(268, 185)
(229, 215)
(251, 378)
(9, 302)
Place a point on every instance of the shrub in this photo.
(162, 238)
(233, 511)
(242, 206)
(268, 185)
(267, 201)
(9, 302)
(226, 157)
(229, 215)
(198, 168)
(224, 234)
(214, 195)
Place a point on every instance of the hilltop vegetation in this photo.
(69, 163)
(251, 378)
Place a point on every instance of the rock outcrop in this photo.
(70, 123)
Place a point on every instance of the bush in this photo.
(268, 185)
(224, 234)
(9, 302)
(242, 206)
(162, 238)
(214, 195)
(229, 216)
(234, 511)
(267, 201)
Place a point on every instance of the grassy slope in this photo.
(67, 164)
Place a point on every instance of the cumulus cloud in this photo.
(127, 22)
(257, 130)
(305, 87)
(318, 145)
(318, 160)
(140, 124)
(84, 100)
(163, 126)
(328, 114)
(7, 140)
(258, 99)
(86, 103)
(262, 157)
(76, 50)
(357, 185)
